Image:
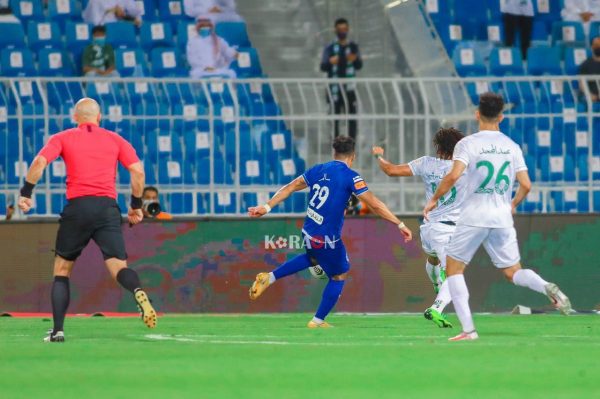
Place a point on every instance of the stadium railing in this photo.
(214, 147)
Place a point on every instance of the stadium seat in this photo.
(121, 34)
(224, 202)
(128, 61)
(540, 31)
(17, 62)
(63, 95)
(583, 202)
(548, 11)
(574, 56)
(167, 62)
(253, 171)
(156, 34)
(27, 10)
(506, 61)
(495, 33)
(61, 11)
(171, 12)
(247, 65)
(221, 171)
(544, 60)
(234, 33)
(533, 202)
(54, 63)
(185, 29)
(180, 203)
(468, 62)
(43, 34)
(148, 9)
(568, 34)
(12, 35)
(77, 36)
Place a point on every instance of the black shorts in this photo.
(85, 218)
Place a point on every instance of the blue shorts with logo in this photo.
(332, 257)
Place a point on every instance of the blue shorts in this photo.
(333, 259)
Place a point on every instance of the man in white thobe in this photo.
(217, 10)
(584, 11)
(100, 12)
(208, 54)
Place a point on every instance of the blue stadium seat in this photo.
(221, 171)
(253, 171)
(468, 62)
(43, 34)
(150, 171)
(544, 60)
(550, 11)
(142, 95)
(40, 206)
(17, 62)
(533, 202)
(583, 171)
(11, 35)
(121, 34)
(224, 202)
(180, 203)
(287, 170)
(27, 10)
(540, 31)
(156, 34)
(184, 29)
(247, 65)
(105, 92)
(574, 56)
(58, 203)
(170, 171)
(167, 62)
(62, 11)
(54, 63)
(127, 60)
(148, 9)
(594, 29)
(171, 12)
(567, 34)
(234, 33)
(506, 61)
(197, 145)
(162, 144)
(583, 202)
(63, 95)
(77, 36)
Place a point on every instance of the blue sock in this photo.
(331, 294)
(292, 266)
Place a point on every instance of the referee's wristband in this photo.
(27, 189)
(401, 226)
(267, 207)
(136, 202)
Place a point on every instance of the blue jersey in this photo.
(331, 184)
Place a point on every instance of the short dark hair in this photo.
(341, 21)
(490, 105)
(98, 29)
(149, 188)
(445, 140)
(343, 145)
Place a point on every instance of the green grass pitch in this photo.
(275, 356)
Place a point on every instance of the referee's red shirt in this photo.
(90, 154)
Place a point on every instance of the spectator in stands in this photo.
(584, 11)
(517, 15)
(99, 56)
(208, 54)
(151, 205)
(100, 12)
(216, 10)
(341, 59)
(591, 66)
(6, 14)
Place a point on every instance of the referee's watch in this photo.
(136, 202)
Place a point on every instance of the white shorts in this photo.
(434, 239)
(500, 244)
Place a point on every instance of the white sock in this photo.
(271, 278)
(460, 297)
(431, 272)
(530, 279)
(443, 297)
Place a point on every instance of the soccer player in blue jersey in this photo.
(331, 184)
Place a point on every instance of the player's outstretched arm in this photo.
(34, 174)
(523, 190)
(380, 209)
(284, 192)
(445, 185)
(138, 179)
(389, 168)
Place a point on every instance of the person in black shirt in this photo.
(341, 59)
(591, 66)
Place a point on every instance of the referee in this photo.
(90, 154)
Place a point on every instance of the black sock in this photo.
(60, 301)
(129, 279)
